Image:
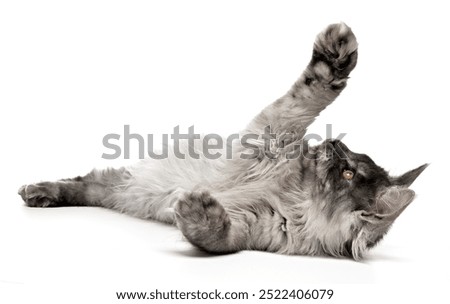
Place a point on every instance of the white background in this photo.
(73, 71)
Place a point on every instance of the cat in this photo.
(328, 201)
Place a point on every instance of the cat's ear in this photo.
(408, 178)
(392, 201)
(374, 225)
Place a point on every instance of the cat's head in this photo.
(359, 199)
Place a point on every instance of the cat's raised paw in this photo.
(335, 52)
(202, 219)
(39, 195)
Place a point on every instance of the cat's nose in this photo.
(329, 150)
(336, 147)
(339, 144)
(335, 142)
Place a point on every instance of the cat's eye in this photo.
(348, 174)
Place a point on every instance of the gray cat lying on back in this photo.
(328, 201)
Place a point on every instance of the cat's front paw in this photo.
(335, 52)
(203, 221)
(39, 195)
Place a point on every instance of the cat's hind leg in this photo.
(207, 225)
(88, 190)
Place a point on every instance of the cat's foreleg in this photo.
(207, 225)
(334, 57)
